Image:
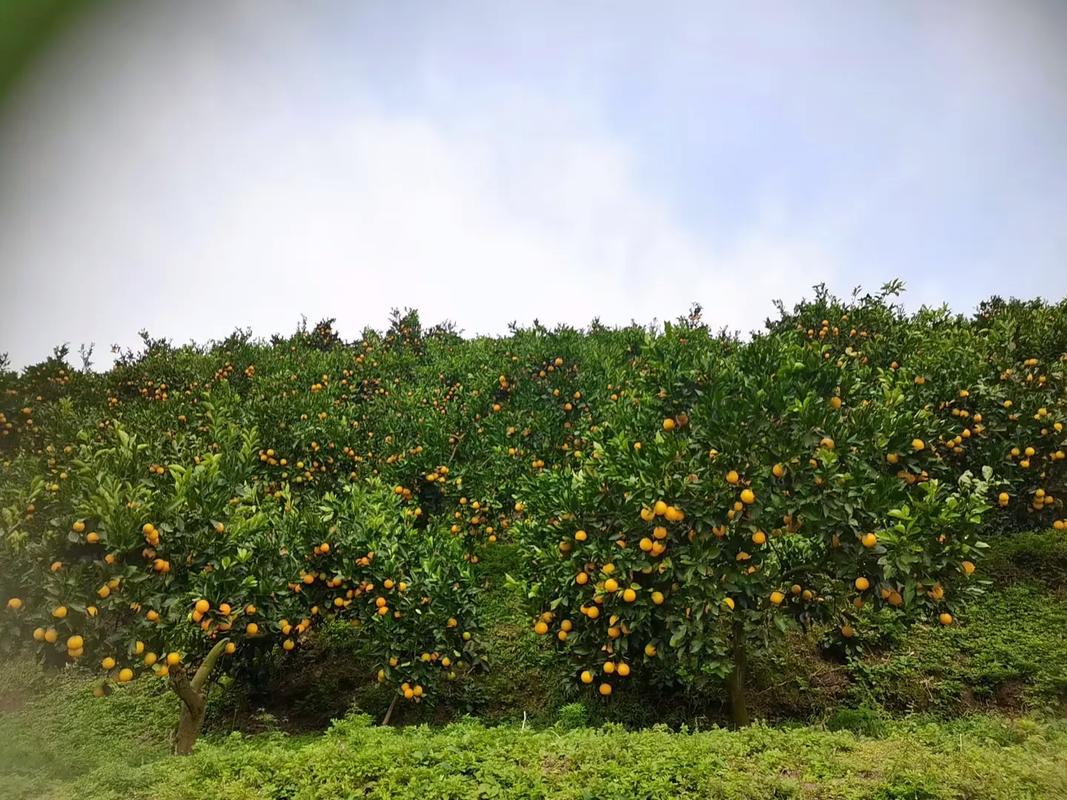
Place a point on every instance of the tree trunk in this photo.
(189, 725)
(193, 697)
(736, 683)
(389, 713)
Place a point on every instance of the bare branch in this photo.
(204, 673)
(179, 682)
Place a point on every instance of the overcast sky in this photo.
(189, 168)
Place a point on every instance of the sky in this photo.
(189, 168)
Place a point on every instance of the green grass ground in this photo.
(60, 746)
(974, 711)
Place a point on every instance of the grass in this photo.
(51, 725)
(116, 750)
(1011, 654)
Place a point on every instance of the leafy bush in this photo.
(863, 720)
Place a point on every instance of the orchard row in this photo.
(679, 494)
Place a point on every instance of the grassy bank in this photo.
(118, 752)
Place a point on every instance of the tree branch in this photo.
(204, 673)
(179, 682)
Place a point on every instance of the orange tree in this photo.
(137, 568)
(998, 381)
(409, 592)
(155, 555)
(735, 490)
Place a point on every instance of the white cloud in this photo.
(191, 168)
(193, 234)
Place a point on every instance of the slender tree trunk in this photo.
(193, 697)
(389, 713)
(736, 683)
